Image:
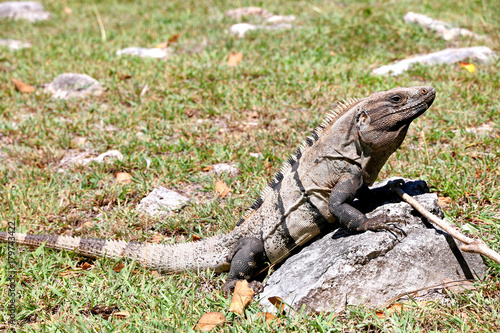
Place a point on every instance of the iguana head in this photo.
(383, 118)
(382, 121)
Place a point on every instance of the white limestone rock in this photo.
(26, 10)
(161, 201)
(443, 29)
(13, 44)
(72, 85)
(480, 54)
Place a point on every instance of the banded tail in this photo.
(210, 253)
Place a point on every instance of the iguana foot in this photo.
(381, 223)
(246, 257)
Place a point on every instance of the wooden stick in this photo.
(468, 244)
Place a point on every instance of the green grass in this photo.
(195, 113)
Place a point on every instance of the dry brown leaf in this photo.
(444, 201)
(161, 45)
(234, 59)
(242, 297)
(195, 238)
(23, 87)
(396, 307)
(118, 268)
(278, 303)
(155, 273)
(173, 39)
(208, 168)
(68, 10)
(210, 320)
(123, 177)
(121, 314)
(221, 189)
(157, 238)
(268, 317)
(86, 266)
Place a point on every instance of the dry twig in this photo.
(469, 244)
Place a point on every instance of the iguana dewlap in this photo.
(313, 189)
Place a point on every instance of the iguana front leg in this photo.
(339, 206)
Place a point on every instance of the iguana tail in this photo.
(208, 253)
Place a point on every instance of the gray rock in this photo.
(75, 157)
(443, 29)
(71, 85)
(144, 52)
(27, 10)
(14, 44)
(481, 54)
(230, 168)
(371, 268)
(162, 201)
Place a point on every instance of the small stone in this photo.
(281, 19)
(482, 54)
(161, 201)
(144, 52)
(71, 85)
(481, 129)
(13, 44)
(241, 29)
(443, 29)
(27, 10)
(82, 158)
(220, 168)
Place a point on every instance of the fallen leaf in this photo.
(268, 317)
(157, 238)
(121, 314)
(155, 273)
(210, 320)
(470, 67)
(123, 177)
(278, 303)
(161, 45)
(85, 266)
(173, 39)
(444, 201)
(242, 297)
(208, 168)
(195, 238)
(68, 10)
(234, 59)
(124, 77)
(118, 268)
(23, 87)
(396, 307)
(221, 189)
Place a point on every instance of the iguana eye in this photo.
(396, 98)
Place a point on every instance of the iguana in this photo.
(312, 190)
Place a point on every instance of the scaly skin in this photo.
(314, 188)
